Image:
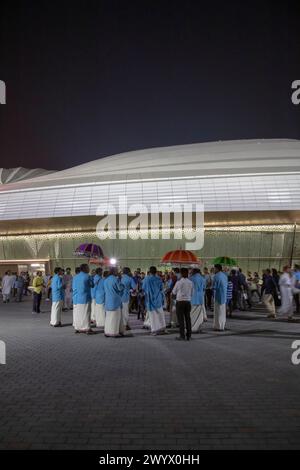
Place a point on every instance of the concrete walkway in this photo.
(234, 390)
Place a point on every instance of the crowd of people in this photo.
(104, 298)
(14, 285)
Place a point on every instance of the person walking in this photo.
(7, 286)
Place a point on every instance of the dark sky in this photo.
(88, 79)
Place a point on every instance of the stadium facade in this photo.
(250, 191)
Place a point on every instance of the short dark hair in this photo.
(113, 270)
(126, 271)
(56, 270)
(218, 267)
(99, 271)
(184, 272)
(77, 270)
(84, 266)
(152, 270)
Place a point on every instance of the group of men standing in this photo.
(102, 300)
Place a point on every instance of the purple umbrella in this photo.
(90, 250)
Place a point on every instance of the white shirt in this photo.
(183, 289)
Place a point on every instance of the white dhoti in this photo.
(147, 323)
(56, 310)
(157, 320)
(93, 310)
(100, 315)
(219, 316)
(197, 317)
(125, 313)
(114, 324)
(287, 307)
(82, 317)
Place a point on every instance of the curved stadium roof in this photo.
(11, 175)
(249, 175)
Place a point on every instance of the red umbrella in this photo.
(180, 257)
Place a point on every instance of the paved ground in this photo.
(236, 389)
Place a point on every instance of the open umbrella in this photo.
(90, 250)
(225, 261)
(181, 257)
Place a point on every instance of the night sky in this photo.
(88, 79)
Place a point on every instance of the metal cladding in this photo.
(229, 176)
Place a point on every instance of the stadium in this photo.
(250, 190)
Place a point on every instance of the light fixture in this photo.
(113, 261)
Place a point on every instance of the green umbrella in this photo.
(225, 261)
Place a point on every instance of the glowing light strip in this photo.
(233, 228)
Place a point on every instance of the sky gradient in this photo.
(89, 79)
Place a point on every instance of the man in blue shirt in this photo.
(197, 301)
(113, 289)
(81, 285)
(99, 300)
(57, 297)
(154, 299)
(220, 297)
(129, 284)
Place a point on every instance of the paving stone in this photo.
(233, 390)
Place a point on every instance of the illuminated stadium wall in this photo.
(250, 191)
(254, 248)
